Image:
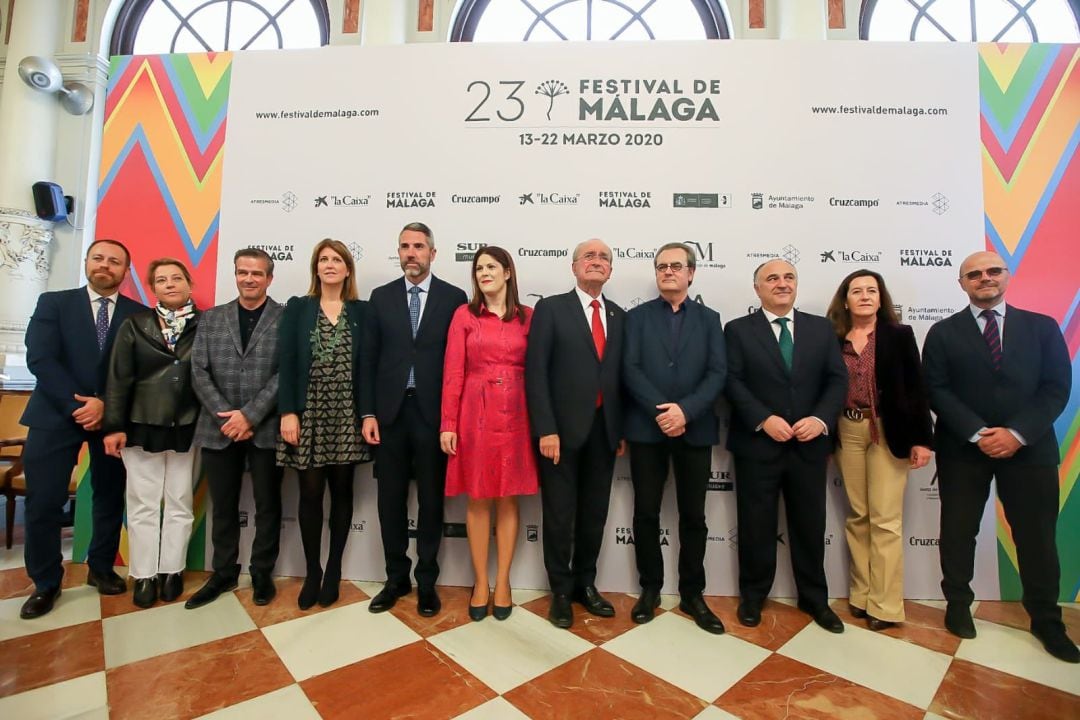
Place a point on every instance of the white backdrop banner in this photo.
(835, 156)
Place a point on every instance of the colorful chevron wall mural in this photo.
(1030, 98)
(160, 191)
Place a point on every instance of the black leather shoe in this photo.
(330, 591)
(594, 602)
(561, 614)
(958, 621)
(172, 586)
(107, 583)
(825, 617)
(645, 607)
(388, 597)
(878, 625)
(749, 614)
(1058, 644)
(145, 593)
(501, 612)
(40, 603)
(263, 589)
(857, 613)
(428, 603)
(695, 607)
(309, 591)
(209, 592)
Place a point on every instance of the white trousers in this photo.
(157, 541)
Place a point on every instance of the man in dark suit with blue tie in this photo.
(998, 378)
(401, 359)
(786, 383)
(573, 386)
(674, 368)
(68, 342)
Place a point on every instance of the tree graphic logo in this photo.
(552, 89)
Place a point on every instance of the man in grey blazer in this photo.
(234, 369)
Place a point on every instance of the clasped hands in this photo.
(998, 443)
(803, 430)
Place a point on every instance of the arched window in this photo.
(553, 20)
(149, 27)
(971, 20)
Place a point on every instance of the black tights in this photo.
(313, 482)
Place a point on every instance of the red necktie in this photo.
(598, 340)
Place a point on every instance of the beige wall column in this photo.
(28, 127)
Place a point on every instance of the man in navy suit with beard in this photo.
(401, 404)
(68, 342)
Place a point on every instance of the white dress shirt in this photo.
(425, 290)
(94, 297)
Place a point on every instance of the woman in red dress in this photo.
(485, 425)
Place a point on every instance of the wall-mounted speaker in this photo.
(49, 201)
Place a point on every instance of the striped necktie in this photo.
(992, 336)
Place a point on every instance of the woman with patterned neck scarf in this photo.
(150, 414)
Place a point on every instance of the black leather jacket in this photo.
(147, 384)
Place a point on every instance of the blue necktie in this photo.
(102, 322)
(414, 320)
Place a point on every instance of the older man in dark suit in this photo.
(401, 359)
(67, 349)
(573, 386)
(674, 367)
(234, 367)
(786, 383)
(998, 378)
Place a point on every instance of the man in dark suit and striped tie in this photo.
(67, 349)
(998, 378)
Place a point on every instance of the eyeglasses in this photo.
(989, 272)
(591, 256)
(673, 267)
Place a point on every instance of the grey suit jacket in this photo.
(228, 377)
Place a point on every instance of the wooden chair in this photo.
(12, 440)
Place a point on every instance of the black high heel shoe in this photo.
(501, 612)
(477, 612)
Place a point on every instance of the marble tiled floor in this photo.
(97, 657)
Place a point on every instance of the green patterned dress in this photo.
(329, 428)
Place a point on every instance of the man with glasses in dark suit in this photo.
(998, 378)
(674, 367)
(573, 386)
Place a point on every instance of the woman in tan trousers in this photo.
(884, 431)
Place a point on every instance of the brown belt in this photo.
(856, 414)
